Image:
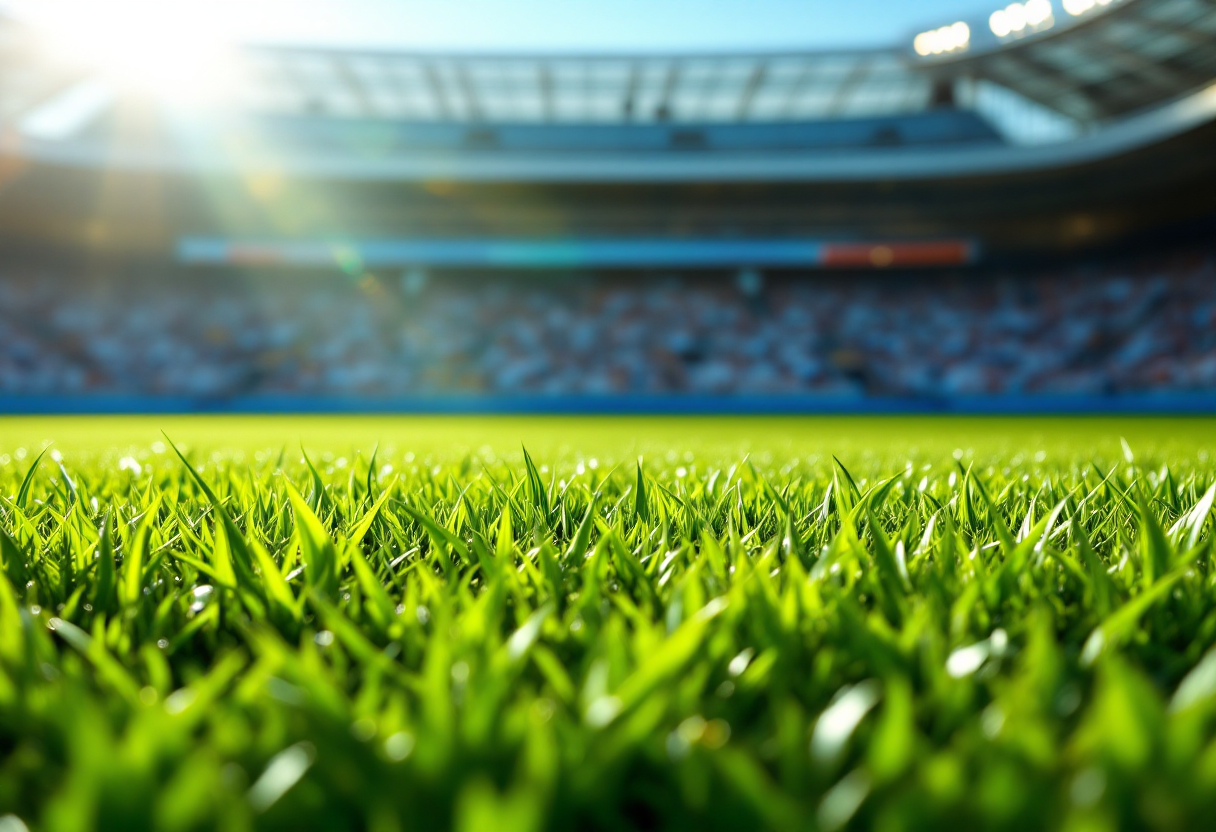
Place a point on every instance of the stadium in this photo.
(1067, 169)
(423, 438)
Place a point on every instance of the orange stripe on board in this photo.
(884, 255)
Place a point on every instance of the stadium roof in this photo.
(583, 89)
(1111, 59)
(1117, 58)
(341, 112)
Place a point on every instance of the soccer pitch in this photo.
(765, 623)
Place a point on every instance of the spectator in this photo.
(1123, 328)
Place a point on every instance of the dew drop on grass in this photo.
(1197, 685)
(739, 663)
(677, 746)
(691, 729)
(966, 660)
(1088, 787)
(12, 823)
(399, 746)
(992, 720)
(202, 596)
(283, 772)
(843, 800)
(841, 718)
(179, 700)
(602, 711)
(364, 730)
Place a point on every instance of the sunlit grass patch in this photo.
(956, 624)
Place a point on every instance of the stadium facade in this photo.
(1041, 137)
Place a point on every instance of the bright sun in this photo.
(156, 46)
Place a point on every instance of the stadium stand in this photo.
(1125, 327)
(1026, 212)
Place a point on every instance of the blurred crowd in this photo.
(1131, 326)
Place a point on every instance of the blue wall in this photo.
(1164, 403)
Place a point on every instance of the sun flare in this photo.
(162, 47)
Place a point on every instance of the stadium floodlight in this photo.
(162, 47)
(1015, 13)
(961, 33)
(1038, 12)
(950, 38)
(998, 22)
(1019, 19)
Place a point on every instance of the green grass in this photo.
(965, 623)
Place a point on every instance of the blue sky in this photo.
(556, 25)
